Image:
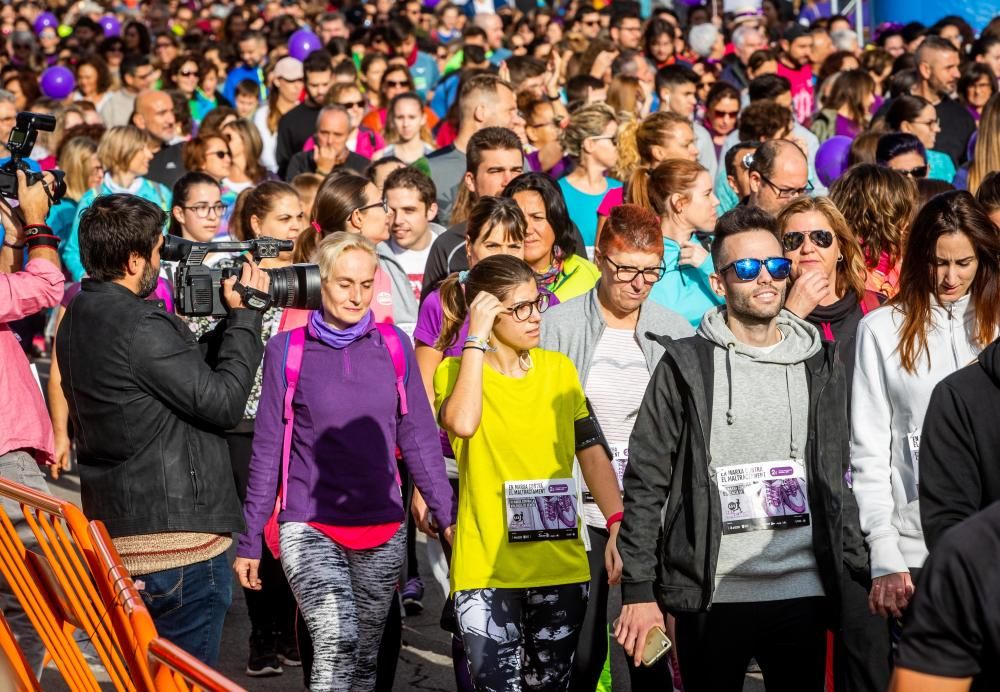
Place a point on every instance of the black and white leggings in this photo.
(344, 597)
(521, 639)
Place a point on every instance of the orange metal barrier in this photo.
(15, 674)
(177, 670)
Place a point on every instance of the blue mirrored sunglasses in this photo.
(748, 268)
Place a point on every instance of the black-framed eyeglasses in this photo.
(383, 203)
(522, 311)
(792, 240)
(555, 122)
(204, 211)
(627, 274)
(749, 268)
(917, 172)
(612, 138)
(787, 192)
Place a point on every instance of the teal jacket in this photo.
(70, 249)
(686, 289)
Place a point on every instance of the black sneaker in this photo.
(288, 654)
(263, 660)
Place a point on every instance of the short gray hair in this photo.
(742, 33)
(331, 108)
(702, 37)
(844, 39)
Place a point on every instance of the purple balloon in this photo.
(46, 20)
(831, 158)
(302, 43)
(57, 82)
(110, 25)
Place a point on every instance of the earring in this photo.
(840, 258)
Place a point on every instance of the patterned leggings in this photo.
(344, 597)
(521, 639)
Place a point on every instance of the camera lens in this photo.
(297, 286)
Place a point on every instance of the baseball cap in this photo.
(289, 68)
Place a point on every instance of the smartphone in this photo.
(657, 644)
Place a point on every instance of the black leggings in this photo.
(272, 609)
(521, 639)
(861, 660)
(787, 638)
(592, 650)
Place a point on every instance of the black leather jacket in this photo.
(149, 405)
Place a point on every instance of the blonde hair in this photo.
(119, 145)
(624, 93)
(585, 123)
(636, 139)
(74, 160)
(851, 270)
(987, 153)
(332, 247)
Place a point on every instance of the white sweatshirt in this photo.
(887, 412)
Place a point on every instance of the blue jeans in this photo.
(189, 605)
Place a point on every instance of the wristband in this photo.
(614, 519)
(15, 246)
(42, 240)
(474, 348)
(479, 343)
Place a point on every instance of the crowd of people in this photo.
(696, 303)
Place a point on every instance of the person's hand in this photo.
(33, 200)
(692, 254)
(251, 276)
(634, 624)
(246, 571)
(503, 72)
(422, 515)
(553, 75)
(449, 534)
(483, 313)
(326, 158)
(602, 63)
(890, 594)
(807, 292)
(62, 455)
(612, 560)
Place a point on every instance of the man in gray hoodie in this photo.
(737, 463)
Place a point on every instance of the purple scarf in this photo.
(339, 338)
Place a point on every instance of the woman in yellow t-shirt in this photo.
(516, 414)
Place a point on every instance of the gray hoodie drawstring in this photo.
(730, 366)
(793, 446)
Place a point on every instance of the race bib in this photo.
(913, 442)
(763, 496)
(542, 510)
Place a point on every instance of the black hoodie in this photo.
(959, 468)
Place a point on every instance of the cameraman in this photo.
(150, 405)
(25, 431)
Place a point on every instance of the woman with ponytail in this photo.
(680, 194)
(518, 556)
(350, 203)
(647, 143)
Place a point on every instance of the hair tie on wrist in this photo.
(463, 277)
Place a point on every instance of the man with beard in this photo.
(149, 406)
(735, 481)
(938, 73)
(794, 65)
(779, 174)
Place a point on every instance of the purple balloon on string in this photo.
(831, 158)
(302, 43)
(46, 20)
(110, 25)
(57, 82)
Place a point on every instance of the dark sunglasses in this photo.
(222, 154)
(725, 114)
(522, 311)
(353, 104)
(188, 73)
(748, 268)
(792, 240)
(918, 172)
(394, 83)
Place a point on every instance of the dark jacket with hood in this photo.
(670, 535)
(959, 472)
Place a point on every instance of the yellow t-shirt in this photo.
(526, 433)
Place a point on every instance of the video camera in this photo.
(20, 143)
(198, 288)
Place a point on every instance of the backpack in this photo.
(295, 341)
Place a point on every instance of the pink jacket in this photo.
(26, 423)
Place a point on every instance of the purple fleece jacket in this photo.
(342, 468)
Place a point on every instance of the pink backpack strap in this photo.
(393, 342)
(293, 366)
